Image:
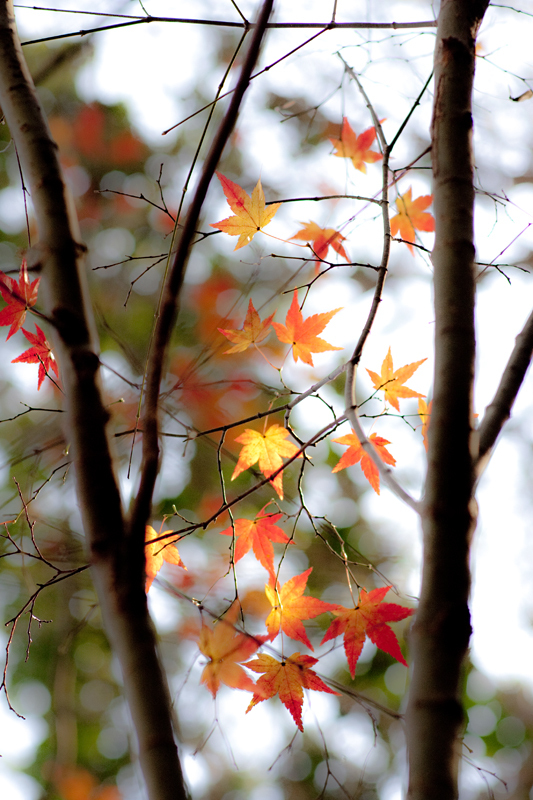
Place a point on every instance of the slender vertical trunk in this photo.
(58, 255)
(441, 632)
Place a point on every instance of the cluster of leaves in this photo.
(227, 647)
(21, 296)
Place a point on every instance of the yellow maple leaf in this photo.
(225, 647)
(391, 381)
(269, 448)
(424, 412)
(156, 552)
(251, 213)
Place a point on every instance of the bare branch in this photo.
(166, 320)
(499, 410)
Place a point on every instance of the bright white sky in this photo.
(155, 86)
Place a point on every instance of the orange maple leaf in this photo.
(75, 783)
(323, 239)
(411, 215)
(302, 333)
(357, 148)
(269, 448)
(424, 412)
(391, 382)
(368, 618)
(19, 296)
(226, 648)
(158, 552)
(252, 215)
(253, 331)
(288, 679)
(289, 608)
(40, 353)
(356, 453)
(258, 533)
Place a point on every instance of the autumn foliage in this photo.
(216, 391)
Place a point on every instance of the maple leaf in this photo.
(74, 783)
(323, 239)
(40, 353)
(391, 382)
(19, 296)
(269, 448)
(288, 679)
(158, 552)
(369, 618)
(302, 333)
(411, 215)
(356, 453)
(357, 148)
(253, 331)
(289, 608)
(226, 648)
(424, 412)
(252, 215)
(258, 534)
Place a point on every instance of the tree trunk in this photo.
(441, 632)
(59, 258)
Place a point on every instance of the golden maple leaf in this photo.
(225, 647)
(156, 552)
(251, 213)
(268, 448)
(391, 381)
(411, 215)
(253, 331)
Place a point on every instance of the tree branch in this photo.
(169, 308)
(499, 410)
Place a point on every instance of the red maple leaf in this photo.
(357, 148)
(356, 453)
(289, 608)
(288, 679)
(258, 533)
(40, 353)
(368, 618)
(19, 296)
(302, 333)
(411, 215)
(323, 239)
